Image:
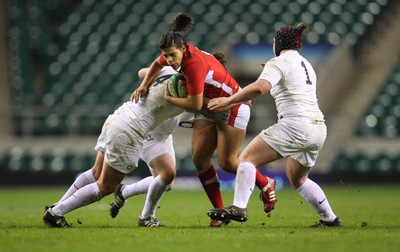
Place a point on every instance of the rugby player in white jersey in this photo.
(119, 147)
(298, 135)
(159, 154)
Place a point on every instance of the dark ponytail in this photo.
(303, 28)
(220, 57)
(180, 24)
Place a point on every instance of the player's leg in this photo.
(152, 153)
(124, 192)
(229, 142)
(139, 187)
(204, 142)
(160, 158)
(311, 192)
(257, 152)
(230, 138)
(164, 165)
(87, 177)
(106, 184)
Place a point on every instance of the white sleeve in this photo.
(271, 72)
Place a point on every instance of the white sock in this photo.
(82, 197)
(244, 184)
(156, 190)
(83, 179)
(139, 187)
(314, 195)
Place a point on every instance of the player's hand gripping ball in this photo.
(177, 86)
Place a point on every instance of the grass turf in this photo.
(371, 215)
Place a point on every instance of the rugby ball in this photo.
(177, 86)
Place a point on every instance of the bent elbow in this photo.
(262, 90)
(264, 86)
(195, 104)
(197, 107)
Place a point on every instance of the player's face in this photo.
(173, 56)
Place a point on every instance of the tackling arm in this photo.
(150, 75)
(249, 92)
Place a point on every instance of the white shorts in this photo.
(155, 146)
(237, 117)
(120, 144)
(296, 137)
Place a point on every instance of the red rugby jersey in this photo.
(204, 73)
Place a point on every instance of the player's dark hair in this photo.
(220, 57)
(180, 24)
(290, 37)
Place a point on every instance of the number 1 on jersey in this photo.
(308, 81)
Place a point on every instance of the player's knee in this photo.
(106, 189)
(201, 162)
(171, 175)
(296, 182)
(196, 157)
(228, 165)
(168, 175)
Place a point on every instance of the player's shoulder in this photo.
(276, 62)
(167, 70)
(165, 74)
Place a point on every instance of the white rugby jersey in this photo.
(293, 81)
(151, 110)
(169, 126)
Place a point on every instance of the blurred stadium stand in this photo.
(70, 63)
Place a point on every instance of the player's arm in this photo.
(191, 103)
(249, 92)
(206, 111)
(150, 75)
(142, 73)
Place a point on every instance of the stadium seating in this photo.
(36, 159)
(382, 118)
(363, 162)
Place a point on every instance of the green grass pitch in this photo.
(371, 214)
